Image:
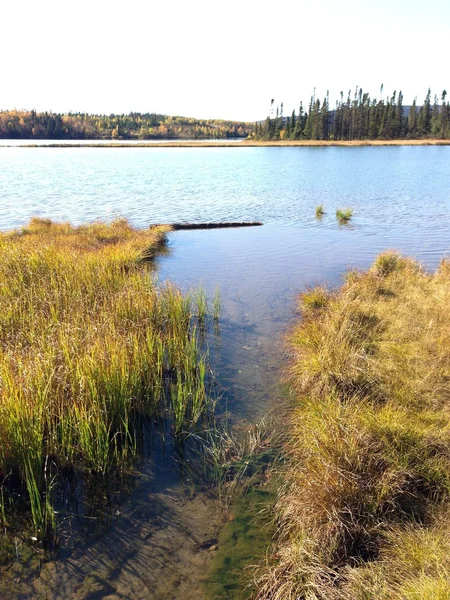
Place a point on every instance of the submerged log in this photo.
(180, 226)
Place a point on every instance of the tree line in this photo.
(19, 124)
(359, 117)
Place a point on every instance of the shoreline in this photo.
(243, 144)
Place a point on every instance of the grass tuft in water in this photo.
(344, 215)
(202, 306)
(216, 305)
(320, 211)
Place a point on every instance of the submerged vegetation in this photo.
(241, 541)
(364, 511)
(244, 458)
(93, 357)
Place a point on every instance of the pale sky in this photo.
(215, 59)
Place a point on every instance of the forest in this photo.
(356, 117)
(359, 117)
(20, 124)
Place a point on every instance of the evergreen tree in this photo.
(444, 121)
(293, 124)
(360, 117)
(412, 120)
(399, 125)
(424, 118)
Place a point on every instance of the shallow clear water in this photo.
(400, 197)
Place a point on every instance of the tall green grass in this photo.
(90, 349)
(364, 510)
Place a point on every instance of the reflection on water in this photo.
(400, 199)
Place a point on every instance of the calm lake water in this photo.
(400, 198)
(14, 143)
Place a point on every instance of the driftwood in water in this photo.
(179, 226)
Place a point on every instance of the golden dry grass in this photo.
(422, 142)
(364, 512)
(252, 143)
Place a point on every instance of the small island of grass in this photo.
(320, 211)
(344, 215)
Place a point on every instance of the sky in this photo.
(216, 59)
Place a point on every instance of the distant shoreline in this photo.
(424, 142)
(243, 144)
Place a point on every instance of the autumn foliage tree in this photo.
(15, 124)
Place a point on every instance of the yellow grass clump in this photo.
(89, 349)
(364, 511)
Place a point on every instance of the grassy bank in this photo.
(249, 144)
(364, 512)
(403, 142)
(92, 354)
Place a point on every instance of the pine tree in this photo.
(299, 124)
(412, 120)
(435, 126)
(444, 116)
(293, 124)
(424, 118)
(399, 126)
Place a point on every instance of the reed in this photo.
(202, 305)
(364, 510)
(90, 349)
(216, 305)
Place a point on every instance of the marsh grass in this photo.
(388, 262)
(364, 509)
(202, 306)
(314, 298)
(90, 351)
(344, 215)
(216, 305)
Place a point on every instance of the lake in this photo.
(400, 198)
(33, 142)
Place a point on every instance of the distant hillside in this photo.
(15, 124)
